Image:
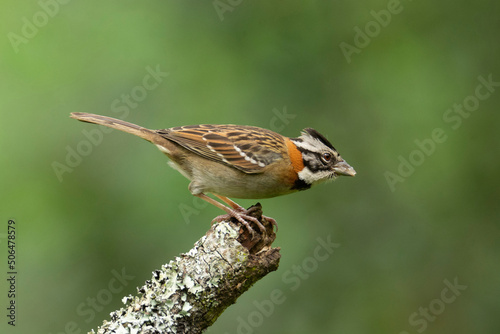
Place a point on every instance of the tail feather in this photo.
(118, 124)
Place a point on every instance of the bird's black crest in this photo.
(320, 137)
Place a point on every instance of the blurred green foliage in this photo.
(248, 62)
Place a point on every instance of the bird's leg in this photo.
(239, 208)
(232, 203)
(242, 217)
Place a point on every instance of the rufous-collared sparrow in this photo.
(239, 161)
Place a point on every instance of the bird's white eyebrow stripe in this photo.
(306, 145)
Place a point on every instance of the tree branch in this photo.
(189, 293)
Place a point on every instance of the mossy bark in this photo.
(189, 293)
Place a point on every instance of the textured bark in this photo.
(189, 293)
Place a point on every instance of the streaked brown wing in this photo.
(247, 148)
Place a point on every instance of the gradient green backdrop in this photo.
(252, 62)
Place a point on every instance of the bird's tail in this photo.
(118, 124)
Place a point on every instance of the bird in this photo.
(239, 161)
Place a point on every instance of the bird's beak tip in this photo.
(343, 168)
(350, 172)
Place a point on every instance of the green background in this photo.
(120, 207)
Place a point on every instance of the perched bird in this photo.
(239, 161)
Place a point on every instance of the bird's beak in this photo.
(343, 168)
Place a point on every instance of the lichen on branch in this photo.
(189, 293)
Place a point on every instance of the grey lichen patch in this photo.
(190, 292)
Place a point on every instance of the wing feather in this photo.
(247, 148)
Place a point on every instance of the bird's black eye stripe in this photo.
(315, 161)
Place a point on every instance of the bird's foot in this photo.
(247, 216)
(244, 218)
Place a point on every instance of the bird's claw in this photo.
(244, 218)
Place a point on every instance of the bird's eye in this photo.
(326, 157)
